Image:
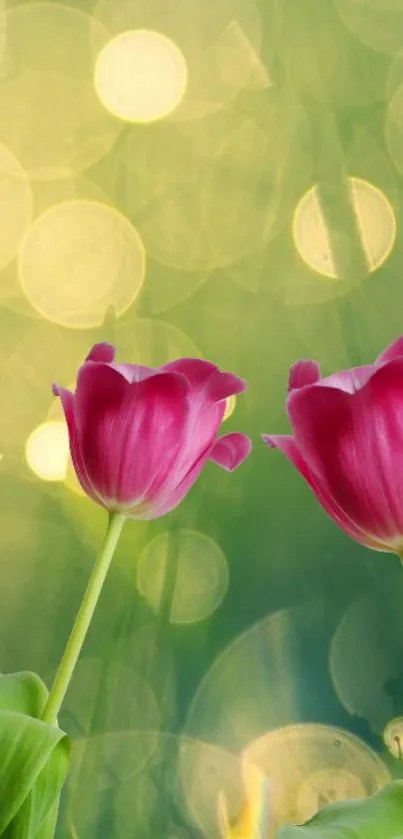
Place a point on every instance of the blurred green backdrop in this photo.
(219, 178)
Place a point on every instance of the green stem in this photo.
(83, 619)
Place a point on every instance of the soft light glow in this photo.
(221, 41)
(77, 259)
(393, 737)
(203, 193)
(191, 567)
(375, 221)
(140, 76)
(15, 205)
(50, 115)
(326, 787)
(47, 451)
(366, 655)
(312, 765)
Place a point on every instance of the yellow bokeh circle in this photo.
(326, 787)
(50, 115)
(79, 258)
(375, 224)
(190, 567)
(393, 737)
(47, 451)
(15, 205)
(140, 76)
(313, 765)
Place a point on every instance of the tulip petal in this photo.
(303, 373)
(394, 350)
(222, 385)
(102, 353)
(354, 444)
(169, 500)
(67, 400)
(287, 445)
(209, 388)
(207, 378)
(349, 380)
(196, 370)
(231, 450)
(130, 434)
(133, 372)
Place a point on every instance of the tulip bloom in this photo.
(139, 437)
(347, 442)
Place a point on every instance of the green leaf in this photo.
(34, 756)
(48, 826)
(34, 759)
(377, 817)
(34, 819)
(23, 692)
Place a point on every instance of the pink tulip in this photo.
(139, 437)
(347, 442)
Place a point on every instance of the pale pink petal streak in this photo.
(133, 372)
(349, 380)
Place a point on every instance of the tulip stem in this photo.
(83, 620)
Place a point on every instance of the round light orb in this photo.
(47, 451)
(375, 222)
(193, 569)
(50, 115)
(15, 205)
(140, 76)
(79, 258)
(393, 737)
(365, 660)
(313, 765)
(221, 41)
(326, 787)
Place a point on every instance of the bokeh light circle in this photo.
(326, 787)
(255, 682)
(50, 115)
(204, 194)
(393, 737)
(55, 415)
(140, 76)
(366, 654)
(312, 765)
(53, 188)
(377, 23)
(79, 258)
(375, 221)
(194, 569)
(220, 40)
(47, 451)
(128, 699)
(147, 778)
(15, 205)
(394, 113)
